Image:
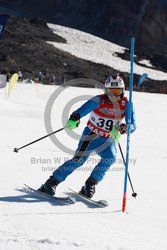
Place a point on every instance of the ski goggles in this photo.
(116, 92)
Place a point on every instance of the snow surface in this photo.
(146, 62)
(98, 50)
(31, 222)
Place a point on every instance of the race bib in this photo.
(101, 125)
(102, 122)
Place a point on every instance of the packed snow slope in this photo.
(98, 50)
(31, 222)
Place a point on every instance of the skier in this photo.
(101, 135)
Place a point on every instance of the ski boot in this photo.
(88, 189)
(49, 187)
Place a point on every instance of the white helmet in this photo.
(115, 82)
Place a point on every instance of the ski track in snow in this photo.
(31, 222)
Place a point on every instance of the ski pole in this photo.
(133, 194)
(17, 149)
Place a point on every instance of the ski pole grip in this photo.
(16, 150)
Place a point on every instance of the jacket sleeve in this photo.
(132, 127)
(88, 106)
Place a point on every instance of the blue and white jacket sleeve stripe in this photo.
(88, 106)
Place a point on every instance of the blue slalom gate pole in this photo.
(129, 122)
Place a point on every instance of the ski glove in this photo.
(123, 128)
(117, 130)
(74, 121)
(115, 134)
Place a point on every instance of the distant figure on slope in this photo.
(20, 76)
(101, 135)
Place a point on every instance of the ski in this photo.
(62, 200)
(100, 203)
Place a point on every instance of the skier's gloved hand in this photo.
(123, 128)
(115, 134)
(73, 121)
(117, 130)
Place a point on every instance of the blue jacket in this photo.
(93, 104)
